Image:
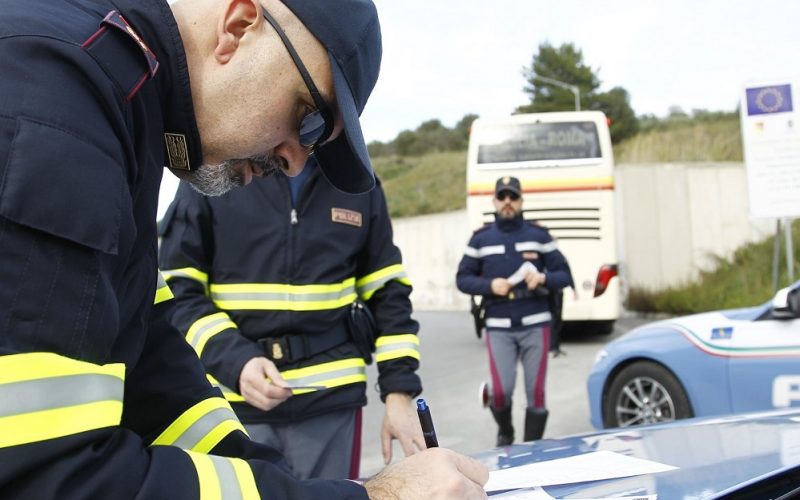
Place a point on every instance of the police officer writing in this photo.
(101, 397)
(514, 264)
(325, 288)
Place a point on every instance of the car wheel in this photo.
(644, 393)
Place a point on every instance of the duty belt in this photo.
(298, 346)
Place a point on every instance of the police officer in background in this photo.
(514, 265)
(313, 288)
(100, 396)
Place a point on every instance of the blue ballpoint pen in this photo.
(426, 422)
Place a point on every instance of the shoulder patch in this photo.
(123, 53)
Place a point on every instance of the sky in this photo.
(443, 59)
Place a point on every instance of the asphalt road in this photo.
(454, 363)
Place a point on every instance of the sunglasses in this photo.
(317, 126)
(502, 195)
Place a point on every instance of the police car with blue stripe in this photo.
(714, 363)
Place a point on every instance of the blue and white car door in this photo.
(764, 367)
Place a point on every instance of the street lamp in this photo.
(573, 88)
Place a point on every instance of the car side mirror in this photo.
(786, 303)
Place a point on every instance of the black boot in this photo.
(535, 419)
(505, 431)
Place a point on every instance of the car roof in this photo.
(713, 455)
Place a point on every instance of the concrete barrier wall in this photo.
(672, 219)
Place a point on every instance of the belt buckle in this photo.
(277, 349)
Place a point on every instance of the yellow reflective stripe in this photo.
(201, 427)
(247, 482)
(371, 283)
(222, 478)
(51, 424)
(204, 328)
(47, 396)
(40, 365)
(329, 375)
(228, 394)
(283, 297)
(187, 272)
(162, 290)
(207, 477)
(396, 346)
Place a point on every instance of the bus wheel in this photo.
(605, 327)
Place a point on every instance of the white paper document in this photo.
(587, 467)
(520, 273)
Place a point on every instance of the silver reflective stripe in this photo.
(161, 283)
(369, 287)
(228, 482)
(395, 347)
(533, 319)
(200, 429)
(287, 297)
(317, 378)
(50, 393)
(498, 322)
(535, 246)
(198, 336)
(477, 253)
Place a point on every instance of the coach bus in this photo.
(565, 165)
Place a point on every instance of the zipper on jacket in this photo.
(293, 217)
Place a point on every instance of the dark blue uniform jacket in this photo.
(302, 267)
(99, 396)
(496, 251)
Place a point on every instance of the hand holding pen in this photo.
(426, 422)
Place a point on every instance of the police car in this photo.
(714, 363)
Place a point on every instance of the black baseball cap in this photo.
(508, 184)
(350, 32)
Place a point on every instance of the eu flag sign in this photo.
(767, 100)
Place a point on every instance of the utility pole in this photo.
(572, 88)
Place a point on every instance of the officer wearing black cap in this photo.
(100, 396)
(512, 263)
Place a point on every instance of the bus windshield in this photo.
(520, 142)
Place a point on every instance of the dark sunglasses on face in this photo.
(502, 195)
(317, 126)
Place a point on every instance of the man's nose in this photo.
(295, 155)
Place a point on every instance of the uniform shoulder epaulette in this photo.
(537, 225)
(122, 53)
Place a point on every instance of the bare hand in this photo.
(534, 279)
(501, 286)
(402, 423)
(435, 474)
(261, 384)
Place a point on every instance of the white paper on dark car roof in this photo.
(592, 466)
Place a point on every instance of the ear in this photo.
(241, 17)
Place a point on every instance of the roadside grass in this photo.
(741, 281)
(427, 184)
(718, 140)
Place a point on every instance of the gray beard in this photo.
(216, 180)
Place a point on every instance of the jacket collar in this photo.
(155, 23)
